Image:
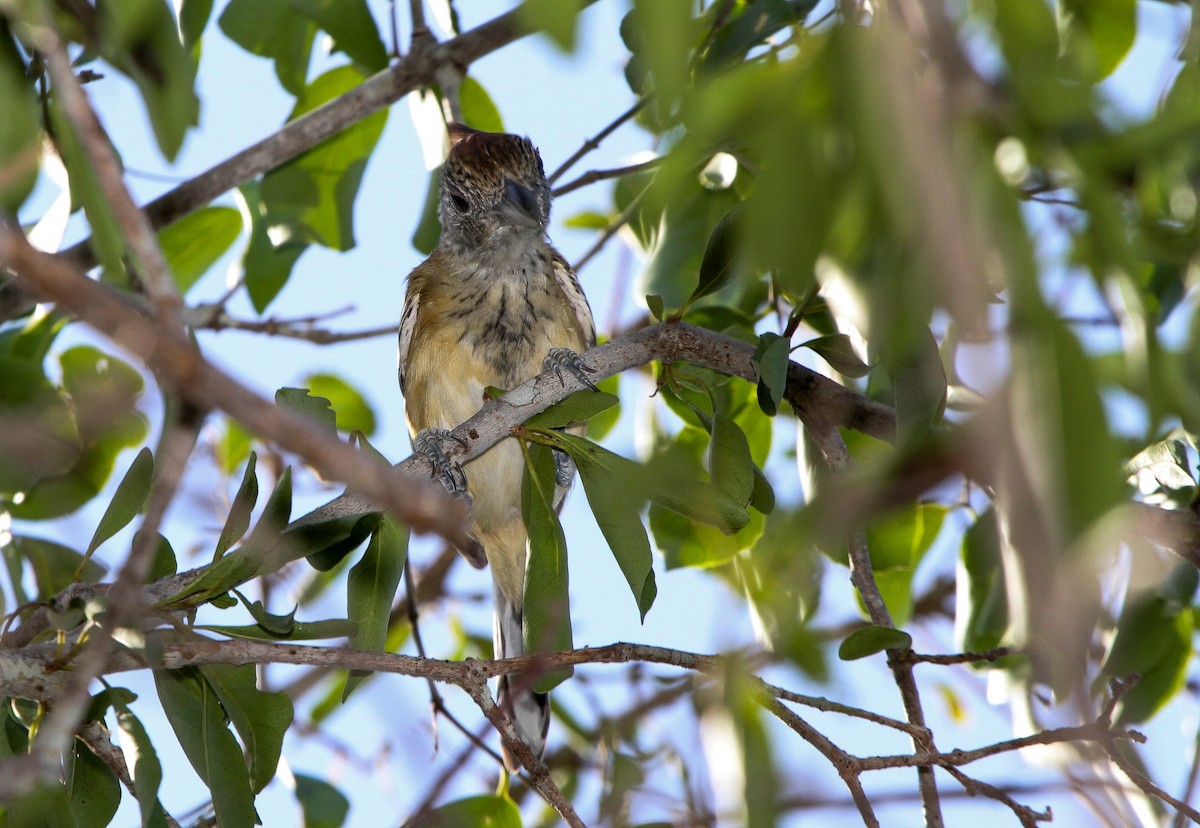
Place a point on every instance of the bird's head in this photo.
(493, 188)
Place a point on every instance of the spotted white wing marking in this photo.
(408, 321)
(568, 283)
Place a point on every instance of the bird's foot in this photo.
(430, 443)
(564, 359)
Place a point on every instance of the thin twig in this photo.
(594, 142)
(592, 176)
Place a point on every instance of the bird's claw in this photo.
(564, 359)
(429, 443)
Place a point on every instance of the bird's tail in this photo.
(529, 711)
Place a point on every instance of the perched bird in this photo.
(492, 306)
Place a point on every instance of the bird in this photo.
(494, 305)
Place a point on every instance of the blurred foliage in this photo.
(956, 220)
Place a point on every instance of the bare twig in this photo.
(593, 176)
(594, 142)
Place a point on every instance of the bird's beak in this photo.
(519, 207)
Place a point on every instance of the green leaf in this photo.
(299, 631)
(588, 220)
(717, 267)
(311, 197)
(281, 625)
(869, 640)
(919, 380)
(142, 41)
(272, 29)
(322, 805)
(839, 353)
(351, 27)
(94, 789)
(577, 408)
(266, 266)
(546, 617)
(318, 409)
(1098, 34)
(20, 129)
(233, 446)
(478, 108)
(262, 719)
(770, 361)
(898, 544)
(606, 482)
(127, 501)
(330, 541)
(53, 564)
(654, 303)
(371, 590)
(557, 18)
(731, 466)
(489, 811)
(982, 618)
(240, 511)
(686, 542)
(194, 243)
(193, 20)
(429, 228)
(353, 411)
(104, 392)
(143, 764)
(198, 720)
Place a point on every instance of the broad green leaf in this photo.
(232, 446)
(687, 542)
(300, 630)
(546, 618)
(429, 228)
(1098, 34)
(371, 591)
(266, 265)
(198, 720)
(353, 411)
(103, 392)
(239, 513)
(309, 405)
(281, 625)
(588, 220)
(1153, 639)
(351, 27)
(272, 29)
(107, 241)
(665, 31)
(919, 383)
(20, 129)
(194, 243)
(601, 424)
(897, 544)
(479, 110)
(127, 501)
(730, 464)
(311, 197)
(193, 20)
(981, 612)
(770, 361)
(143, 764)
(556, 18)
(749, 25)
(489, 811)
(577, 408)
(53, 564)
(164, 563)
(261, 718)
(761, 782)
(654, 303)
(617, 507)
(869, 640)
(839, 353)
(717, 268)
(328, 542)
(142, 40)
(322, 805)
(94, 789)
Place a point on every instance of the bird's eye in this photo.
(459, 203)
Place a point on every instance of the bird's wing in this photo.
(568, 283)
(408, 321)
